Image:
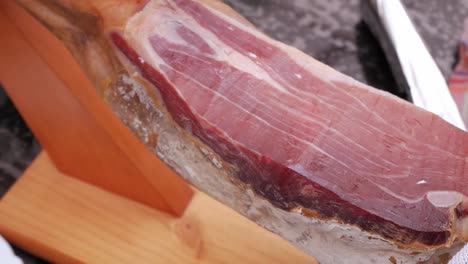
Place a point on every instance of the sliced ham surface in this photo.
(299, 133)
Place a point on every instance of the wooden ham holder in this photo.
(96, 194)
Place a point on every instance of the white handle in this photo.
(6, 254)
(428, 87)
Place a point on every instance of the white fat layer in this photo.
(444, 199)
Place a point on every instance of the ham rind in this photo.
(299, 134)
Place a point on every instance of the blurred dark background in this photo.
(332, 31)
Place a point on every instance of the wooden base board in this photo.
(66, 220)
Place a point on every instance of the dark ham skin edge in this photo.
(268, 178)
(281, 185)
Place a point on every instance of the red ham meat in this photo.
(310, 152)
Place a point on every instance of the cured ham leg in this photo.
(333, 166)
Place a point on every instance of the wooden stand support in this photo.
(97, 195)
(78, 130)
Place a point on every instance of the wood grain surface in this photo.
(66, 220)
